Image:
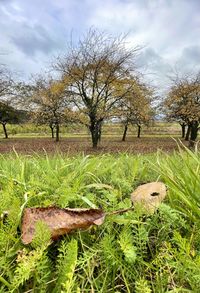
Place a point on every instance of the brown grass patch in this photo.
(76, 145)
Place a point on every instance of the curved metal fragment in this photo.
(149, 195)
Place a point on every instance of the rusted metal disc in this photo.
(149, 195)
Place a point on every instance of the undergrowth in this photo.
(133, 252)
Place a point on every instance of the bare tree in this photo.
(6, 83)
(96, 73)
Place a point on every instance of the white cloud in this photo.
(31, 31)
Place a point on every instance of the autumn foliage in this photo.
(183, 104)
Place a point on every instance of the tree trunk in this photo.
(95, 138)
(125, 132)
(194, 130)
(94, 130)
(57, 131)
(188, 132)
(183, 125)
(52, 131)
(139, 131)
(5, 130)
(100, 131)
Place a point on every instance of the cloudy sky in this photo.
(33, 32)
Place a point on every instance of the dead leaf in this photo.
(60, 221)
(149, 195)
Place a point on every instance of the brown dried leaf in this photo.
(60, 221)
(149, 195)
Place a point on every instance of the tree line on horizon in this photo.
(97, 81)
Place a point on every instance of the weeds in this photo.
(133, 252)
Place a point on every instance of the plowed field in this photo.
(73, 146)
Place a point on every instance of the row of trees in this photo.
(183, 105)
(97, 81)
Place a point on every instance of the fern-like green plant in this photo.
(142, 286)
(66, 265)
(126, 242)
(27, 262)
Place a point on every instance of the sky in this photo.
(33, 33)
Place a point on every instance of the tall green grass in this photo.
(181, 173)
(133, 252)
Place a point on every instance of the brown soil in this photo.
(83, 145)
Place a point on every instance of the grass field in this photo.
(112, 130)
(133, 252)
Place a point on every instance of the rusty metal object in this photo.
(149, 195)
(59, 221)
